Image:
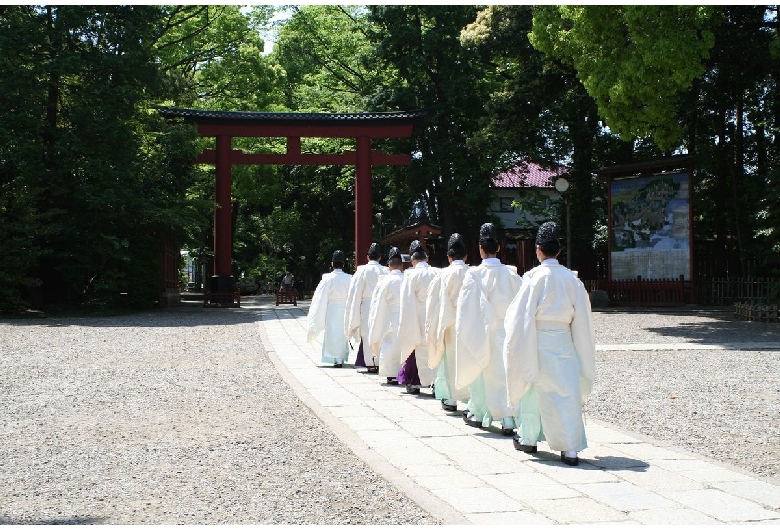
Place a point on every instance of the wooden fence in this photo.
(642, 292)
(677, 292)
(727, 291)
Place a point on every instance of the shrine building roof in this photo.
(527, 174)
(256, 118)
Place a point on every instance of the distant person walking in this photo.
(287, 281)
(415, 373)
(440, 308)
(326, 313)
(361, 288)
(383, 318)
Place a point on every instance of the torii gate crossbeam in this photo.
(224, 126)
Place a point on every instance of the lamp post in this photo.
(562, 185)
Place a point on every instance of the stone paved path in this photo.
(464, 476)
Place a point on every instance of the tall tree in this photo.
(538, 110)
(94, 173)
(82, 76)
(437, 73)
(686, 77)
(729, 120)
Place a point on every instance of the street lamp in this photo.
(562, 185)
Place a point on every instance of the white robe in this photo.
(383, 323)
(440, 310)
(359, 304)
(550, 354)
(411, 322)
(326, 315)
(479, 333)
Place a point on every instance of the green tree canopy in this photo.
(634, 60)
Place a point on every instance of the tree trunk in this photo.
(737, 181)
(721, 250)
(52, 94)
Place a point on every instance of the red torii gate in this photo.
(224, 125)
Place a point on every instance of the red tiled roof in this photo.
(527, 174)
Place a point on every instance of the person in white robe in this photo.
(440, 324)
(550, 353)
(326, 313)
(479, 336)
(415, 373)
(383, 318)
(361, 288)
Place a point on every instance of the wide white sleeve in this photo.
(472, 344)
(449, 304)
(318, 309)
(378, 317)
(521, 358)
(408, 319)
(352, 305)
(584, 340)
(432, 324)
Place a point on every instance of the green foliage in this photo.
(429, 68)
(634, 60)
(324, 51)
(93, 180)
(538, 110)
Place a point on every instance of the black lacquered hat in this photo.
(373, 251)
(394, 253)
(487, 232)
(547, 232)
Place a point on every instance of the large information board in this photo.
(650, 227)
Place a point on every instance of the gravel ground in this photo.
(172, 417)
(722, 404)
(178, 417)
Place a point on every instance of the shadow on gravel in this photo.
(189, 315)
(721, 332)
(64, 521)
(704, 325)
(724, 313)
(175, 317)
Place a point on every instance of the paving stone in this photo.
(579, 510)
(478, 500)
(724, 507)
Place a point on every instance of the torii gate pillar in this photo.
(363, 219)
(223, 219)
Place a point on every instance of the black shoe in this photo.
(472, 422)
(372, 369)
(392, 381)
(570, 460)
(448, 408)
(412, 390)
(338, 365)
(507, 432)
(524, 448)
